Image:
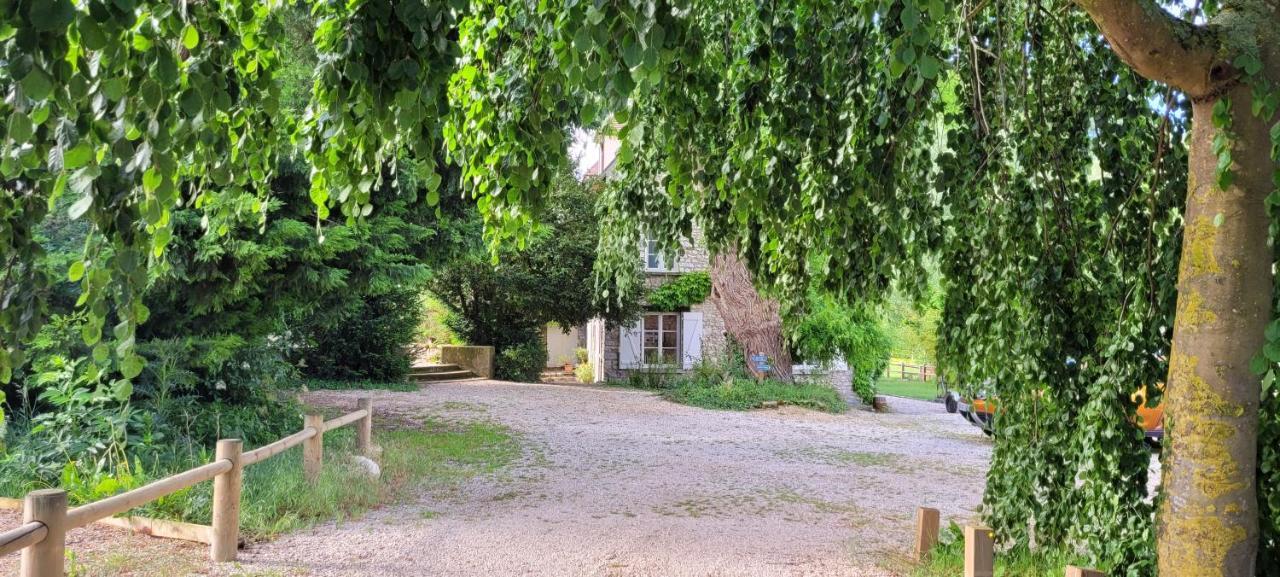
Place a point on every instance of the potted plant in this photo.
(568, 364)
(581, 353)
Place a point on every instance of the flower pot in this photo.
(568, 368)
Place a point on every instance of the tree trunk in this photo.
(1208, 522)
(751, 319)
(1208, 519)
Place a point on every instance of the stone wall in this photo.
(478, 360)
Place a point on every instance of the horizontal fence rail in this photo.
(22, 537)
(42, 536)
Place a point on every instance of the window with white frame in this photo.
(661, 338)
(652, 257)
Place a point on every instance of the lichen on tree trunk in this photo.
(1207, 523)
(752, 320)
(1208, 520)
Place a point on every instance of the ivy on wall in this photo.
(683, 292)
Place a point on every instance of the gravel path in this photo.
(622, 483)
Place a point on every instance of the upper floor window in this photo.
(652, 256)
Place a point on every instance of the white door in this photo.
(560, 346)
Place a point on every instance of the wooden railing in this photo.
(908, 371)
(46, 519)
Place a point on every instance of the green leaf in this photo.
(20, 128)
(51, 15)
(80, 207)
(1259, 365)
(77, 156)
(190, 37)
(76, 271)
(151, 179)
(37, 85)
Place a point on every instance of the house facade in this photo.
(667, 341)
(660, 340)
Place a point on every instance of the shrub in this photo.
(740, 394)
(830, 329)
(370, 341)
(584, 372)
(521, 362)
(581, 353)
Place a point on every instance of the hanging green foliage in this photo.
(679, 293)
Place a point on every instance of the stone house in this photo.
(662, 340)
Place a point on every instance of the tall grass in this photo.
(947, 559)
(277, 497)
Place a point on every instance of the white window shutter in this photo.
(691, 339)
(631, 345)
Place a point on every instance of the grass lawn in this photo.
(279, 499)
(332, 385)
(923, 390)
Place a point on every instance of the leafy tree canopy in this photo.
(833, 144)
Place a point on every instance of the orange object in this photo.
(980, 412)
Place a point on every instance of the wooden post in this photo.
(45, 559)
(979, 552)
(225, 535)
(926, 532)
(313, 448)
(1073, 571)
(364, 429)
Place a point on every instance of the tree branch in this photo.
(1161, 46)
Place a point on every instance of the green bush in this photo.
(585, 372)
(829, 330)
(521, 362)
(370, 342)
(722, 382)
(741, 394)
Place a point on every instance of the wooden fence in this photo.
(910, 372)
(979, 547)
(46, 518)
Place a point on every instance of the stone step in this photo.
(443, 376)
(428, 369)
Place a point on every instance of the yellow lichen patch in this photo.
(1197, 251)
(1191, 312)
(1213, 540)
(1198, 399)
(1217, 474)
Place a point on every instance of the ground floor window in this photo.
(661, 337)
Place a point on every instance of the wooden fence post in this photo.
(364, 429)
(225, 534)
(313, 448)
(926, 531)
(979, 552)
(1073, 571)
(45, 559)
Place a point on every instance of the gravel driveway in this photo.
(622, 483)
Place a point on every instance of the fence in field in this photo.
(979, 547)
(46, 518)
(910, 372)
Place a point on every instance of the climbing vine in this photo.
(685, 291)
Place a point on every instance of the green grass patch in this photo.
(278, 498)
(947, 560)
(332, 385)
(923, 390)
(740, 394)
